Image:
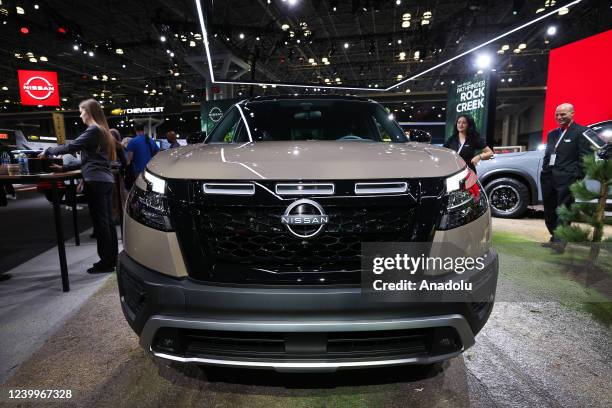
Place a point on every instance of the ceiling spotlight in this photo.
(44, 59)
(192, 43)
(123, 65)
(427, 15)
(563, 11)
(90, 53)
(285, 27)
(399, 41)
(405, 24)
(346, 45)
(36, 7)
(19, 10)
(172, 54)
(522, 46)
(75, 47)
(483, 61)
(398, 2)
(241, 36)
(119, 51)
(509, 79)
(162, 38)
(406, 16)
(552, 30)
(505, 47)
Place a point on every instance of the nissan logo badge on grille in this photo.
(304, 218)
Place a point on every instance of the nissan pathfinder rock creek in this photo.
(246, 250)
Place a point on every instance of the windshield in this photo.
(307, 119)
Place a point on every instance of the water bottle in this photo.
(22, 159)
(5, 158)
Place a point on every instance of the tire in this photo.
(508, 197)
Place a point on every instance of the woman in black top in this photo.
(97, 147)
(466, 142)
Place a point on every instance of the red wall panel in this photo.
(580, 73)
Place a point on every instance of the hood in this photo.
(306, 160)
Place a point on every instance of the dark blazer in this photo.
(568, 162)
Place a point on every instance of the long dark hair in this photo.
(94, 110)
(472, 132)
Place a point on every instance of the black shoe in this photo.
(558, 247)
(99, 269)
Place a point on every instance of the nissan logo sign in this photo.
(304, 218)
(215, 114)
(38, 88)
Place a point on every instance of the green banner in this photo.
(475, 97)
(213, 111)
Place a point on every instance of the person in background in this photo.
(171, 138)
(97, 147)
(466, 141)
(140, 150)
(122, 161)
(6, 189)
(562, 166)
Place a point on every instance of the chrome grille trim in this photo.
(301, 189)
(238, 189)
(381, 188)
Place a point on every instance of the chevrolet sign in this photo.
(137, 111)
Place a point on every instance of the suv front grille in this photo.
(257, 236)
(241, 239)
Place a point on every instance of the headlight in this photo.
(150, 207)
(465, 200)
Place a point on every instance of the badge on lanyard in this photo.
(553, 156)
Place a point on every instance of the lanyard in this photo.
(460, 146)
(560, 139)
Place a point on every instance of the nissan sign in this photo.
(38, 88)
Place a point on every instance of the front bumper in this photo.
(294, 328)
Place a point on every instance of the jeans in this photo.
(99, 198)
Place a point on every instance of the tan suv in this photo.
(246, 250)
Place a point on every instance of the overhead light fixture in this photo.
(24, 30)
(517, 50)
(241, 36)
(32, 59)
(44, 59)
(346, 45)
(483, 61)
(192, 43)
(119, 51)
(285, 27)
(399, 76)
(162, 38)
(406, 16)
(417, 55)
(399, 41)
(505, 47)
(90, 53)
(427, 15)
(424, 22)
(522, 46)
(36, 6)
(563, 10)
(20, 10)
(552, 30)
(75, 47)
(4, 88)
(405, 24)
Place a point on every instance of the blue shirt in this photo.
(141, 152)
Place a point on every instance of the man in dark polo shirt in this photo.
(562, 166)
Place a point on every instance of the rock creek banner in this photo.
(475, 97)
(213, 111)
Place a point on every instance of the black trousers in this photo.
(99, 198)
(555, 193)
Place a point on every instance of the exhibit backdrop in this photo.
(579, 73)
(475, 97)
